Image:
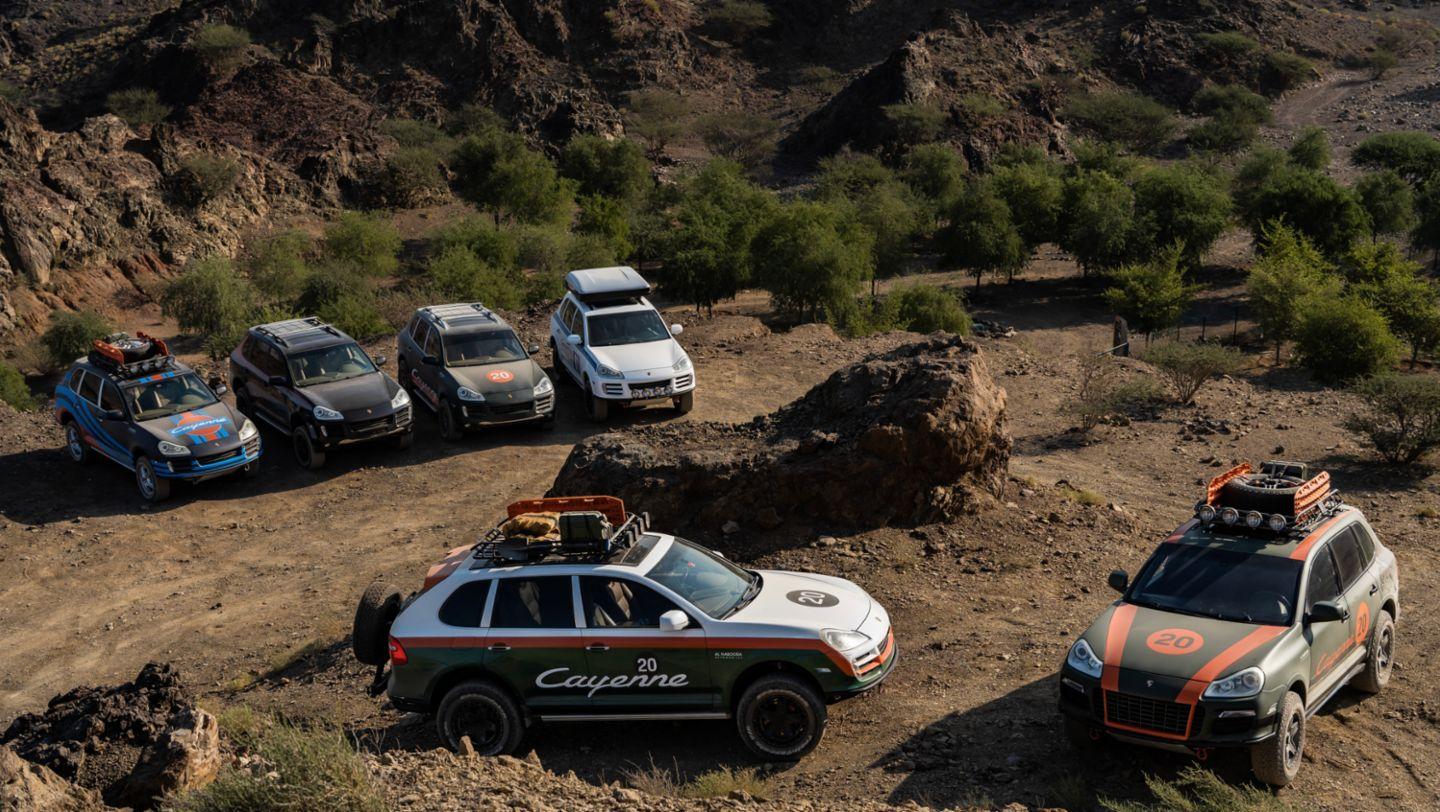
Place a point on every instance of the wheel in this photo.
(403, 440)
(684, 403)
(1379, 656)
(485, 713)
(599, 407)
(153, 488)
(780, 718)
(242, 402)
(450, 430)
(557, 369)
(75, 445)
(370, 635)
(1267, 494)
(402, 374)
(1276, 761)
(305, 451)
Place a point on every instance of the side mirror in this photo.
(573, 340)
(216, 382)
(1119, 580)
(114, 414)
(673, 621)
(278, 380)
(533, 348)
(381, 359)
(677, 329)
(430, 361)
(219, 388)
(1326, 612)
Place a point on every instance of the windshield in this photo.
(1220, 583)
(634, 327)
(330, 364)
(714, 585)
(150, 399)
(470, 349)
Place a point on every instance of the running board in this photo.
(1349, 675)
(632, 717)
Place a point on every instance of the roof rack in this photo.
(1295, 503)
(459, 311)
(124, 357)
(590, 528)
(280, 330)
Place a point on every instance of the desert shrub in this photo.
(735, 20)
(12, 93)
(366, 242)
(203, 177)
(1181, 205)
(341, 297)
(1092, 155)
(1288, 274)
(811, 259)
(912, 124)
(1227, 48)
(413, 134)
(137, 106)
(981, 236)
(1151, 296)
(542, 248)
(221, 47)
(14, 391)
(1223, 134)
(1186, 367)
(1380, 62)
(457, 273)
(979, 108)
(496, 247)
(614, 168)
(409, 177)
(1311, 149)
(926, 309)
(1281, 71)
(1035, 195)
(1400, 418)
(1389, 201)
(745, 138)
(1270, 188)
(498, 172)
(1233, 100)
(1198, 790)
(311, 769)
(849, 175)
(936, 173)
(209, 298)
(1097, 220)
(70, 335)
(1415, 156)
(1410, 303)
(656, 117)
(544, 287)
(720, 783)
(1097, 379)
(589, 251)
(1342, 339)
(276, 264)
(1138, 122)
(474, 119)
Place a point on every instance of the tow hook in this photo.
(1094, 734)
(1202, 753)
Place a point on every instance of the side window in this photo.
(466, 605)
(567, 309)
(90, 388)
(417, 330)
(432, 343)
(1346, 547)
(1323, 584)
(110, 398)
(533, 603)
(247, 348)
(619, 603)
(270, 361)
(73, 382)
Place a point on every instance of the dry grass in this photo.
(1081, 496)
(666, 782)
(1199, 790)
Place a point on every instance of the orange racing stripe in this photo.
(1115, 636)
(1217, 665)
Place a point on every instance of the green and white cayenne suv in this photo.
(599, 619)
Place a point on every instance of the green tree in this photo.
(1097, 223)
(893, 217)
(1269, 188)
(1181, 205)
(1151, 296)
(849, 175)
(499, 173)
(745, 138)
(1138, 122)
(277, 266)
(410, 176)
(656, 117)
(475, 119)
(137, 106)
(1344, 338)
(911, 124)
(14, 390)
(212, 299)
(707, 254)
(339, 296)
(811, 259)
(1426, 233)
(926, 309)
(1232, 100)
(367, 243)
(71, 335)
(607, 219)
(1311, 149)
(1415, 156)
(1389, 201)
(1400, 418)
(936, 173)
(1391, 283)
(203, 177)
(222, 48)
(612, 167)
(496, 247)
(1289, 274)
(459, 274)
(981, 235)
(1223, 134)
(1035, 195)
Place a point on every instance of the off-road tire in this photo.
(1379, 656)
(557, 369)
(505, 724)
(243, 404)
(402, 377)
(309, 457)
(75, 446)
(684, 403)
(1263, 493)
(1277, 760)
(794, 702)
(403, 440)
(370, 634)
(152, 487)
(599, 407)
(450, 430)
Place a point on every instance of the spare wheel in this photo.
(377, 610)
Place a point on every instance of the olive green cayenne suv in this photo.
(1242, 625)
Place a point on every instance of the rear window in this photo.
(466, 605)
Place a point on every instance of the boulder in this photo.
(913, 435)
(27, 787)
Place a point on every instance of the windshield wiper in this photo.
(750, 592)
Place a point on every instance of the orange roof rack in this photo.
(1218, 483)
(612, 506)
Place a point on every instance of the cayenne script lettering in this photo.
(553, 679)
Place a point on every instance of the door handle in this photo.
(1375, 587)
(597, 647)
(499, 647)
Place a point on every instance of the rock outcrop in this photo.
(913, 435)
(27, 787)
(131, 743)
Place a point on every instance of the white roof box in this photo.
(595, 285)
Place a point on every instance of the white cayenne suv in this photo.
(609, 339)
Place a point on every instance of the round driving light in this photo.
(1206, 513)
(1277, 522)
(1253, 519)
(1229, 515)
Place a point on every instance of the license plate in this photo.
(651, 392)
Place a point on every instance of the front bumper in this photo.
(1155, 721)
(359, 428)
(871, 671)
(644, 390)
(209, 466)
(498, 412)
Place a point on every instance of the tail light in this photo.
(397, 653)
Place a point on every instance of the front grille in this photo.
(1149, 714)
(221, 457)
(509, 408)
(369, 428)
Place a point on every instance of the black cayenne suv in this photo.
(315, 383)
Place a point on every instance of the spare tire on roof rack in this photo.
(1262, 492)
(120, 349)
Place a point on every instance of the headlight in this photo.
(544, 387)
(1082, 659)
(1239, 685)
(466, 393)
(401, 399)
(248, 430)
(609, 372)
(842, 640)
(683, 364)
(170, 449)
(323, 413)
